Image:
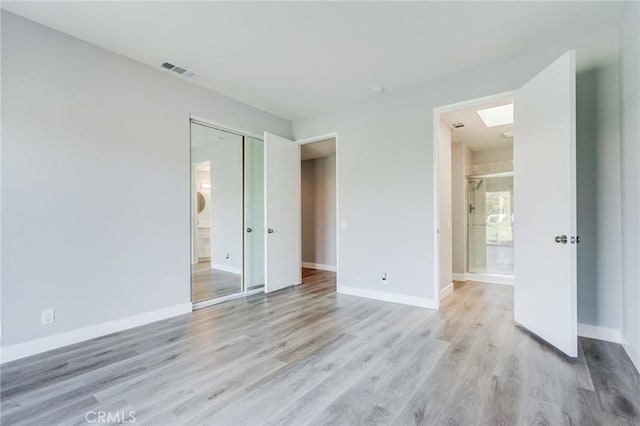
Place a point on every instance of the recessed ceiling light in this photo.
(377, 90)
(497, 116)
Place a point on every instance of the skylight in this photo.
(497, 116)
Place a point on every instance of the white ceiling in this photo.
(319, 149)
(475, 134)
(300, 59)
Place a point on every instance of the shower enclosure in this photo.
(490, 224)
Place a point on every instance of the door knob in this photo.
(561, 239)
(249, 230)
(270, 230)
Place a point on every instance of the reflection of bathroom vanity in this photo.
(203, 246)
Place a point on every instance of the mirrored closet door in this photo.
(217, 228)
(254, 213)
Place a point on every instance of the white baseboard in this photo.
(490, 278)
(633, 352)
(458, 277)
(33, 347)
(600, 333)
(444, 292)
(403, 299)
(319, 266)
(227, 268)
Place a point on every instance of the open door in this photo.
(282, 212)
(545, 205)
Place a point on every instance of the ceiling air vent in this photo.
(456, 125)
(179, 70)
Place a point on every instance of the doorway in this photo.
(319, 224)
(544, 194)
(476, 192)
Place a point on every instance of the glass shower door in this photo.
(490, 225)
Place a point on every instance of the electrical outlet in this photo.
(48, 316)
(384, 278)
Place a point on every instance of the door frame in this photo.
(338, 226)
(437, 112)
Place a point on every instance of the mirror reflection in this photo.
(254, 213)
(217, 232)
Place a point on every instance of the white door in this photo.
(545, 205)
(282, 212)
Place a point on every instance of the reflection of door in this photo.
(544, 166)
(282, 212)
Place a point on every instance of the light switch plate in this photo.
(48, 316)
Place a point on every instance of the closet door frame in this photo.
(193, 119)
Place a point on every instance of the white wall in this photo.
(499, 160)
(445, 204)
(630, 159)
(458, 209)
(319, 211)
(492, 155)
(598, 198)
(390, 190)
(91, 142)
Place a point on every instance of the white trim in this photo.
(458, 277)
(215, 301)
(489, 278)
(436, 181)
(633, 352)
(446, 291)
(333, 135)
(226, 268)
(36, 346)
(422, 302)
(319, 266)
(491, 175)
(224, 127)
(600, 333)
(254, 291)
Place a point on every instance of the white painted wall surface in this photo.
(319, 211)
(493, 155)
(630, 158)
(492, 161)
(445, 219)
(458, 208)
(386, 196)
(108, 139)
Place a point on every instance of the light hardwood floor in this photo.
(207, 283)
(307, 355)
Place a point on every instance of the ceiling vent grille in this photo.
(456, 125)
(178, 70)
